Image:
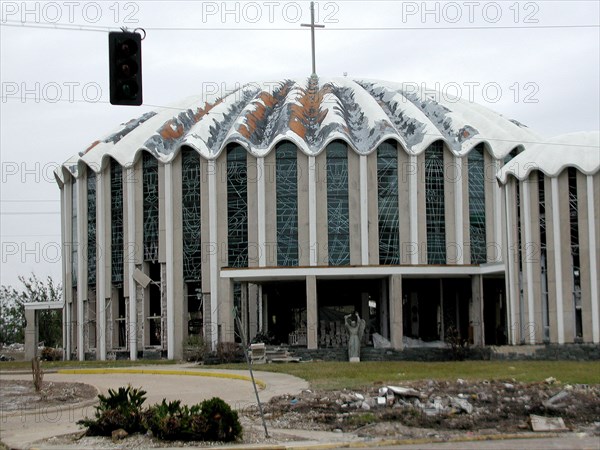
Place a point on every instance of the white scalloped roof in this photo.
(580, 150)
(311, 113)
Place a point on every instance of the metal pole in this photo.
(243, 336)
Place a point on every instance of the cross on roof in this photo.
(312, 26)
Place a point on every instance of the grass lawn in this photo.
(337, 375)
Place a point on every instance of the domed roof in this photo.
(310, 113)
(580, 150)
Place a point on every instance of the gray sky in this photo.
(534, 61)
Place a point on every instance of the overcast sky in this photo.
(534, 61)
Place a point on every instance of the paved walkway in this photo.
(21, 429)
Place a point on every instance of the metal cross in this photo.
(312, 33)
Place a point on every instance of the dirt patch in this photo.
(20, 395)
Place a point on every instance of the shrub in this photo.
(221, 421)
(51, 354)
(38, 374)
(171, 421)
(211, 420)
(229, 352)
(196, 348)
(458, 346)
(120, 409)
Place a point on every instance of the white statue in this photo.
(356, 327)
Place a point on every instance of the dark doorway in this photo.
(421, 308)
(284, 312)
(494, 311)
(336, 298)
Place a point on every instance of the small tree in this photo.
(12, 310)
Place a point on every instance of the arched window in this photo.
(387, 201)
(190, 215)
(116, 222)
(434, 204)
(477, 205)
(91, 226)
(150, 195)
(338, 215)
(286, 183)
(237, 207)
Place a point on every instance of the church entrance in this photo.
(433, 307)
(284, 312)
(494, 311)
(337, 298)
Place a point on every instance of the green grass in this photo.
(26, 365)
(337, 375)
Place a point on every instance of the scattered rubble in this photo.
(499, 406)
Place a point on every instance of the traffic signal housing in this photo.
(125, 60)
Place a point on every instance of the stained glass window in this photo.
(190, 189)
(434, 204)
(150, 195)
(388, 213)
(74, 239)
(237, 207)
(575, 257)
(91, 226)
(543, 256)
(477, 205)
(338, 216)
(116, 222)
(287, 204)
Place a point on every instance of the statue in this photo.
(356, 327)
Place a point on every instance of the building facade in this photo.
(291, 204)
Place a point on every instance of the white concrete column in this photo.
(560, 324)
(510, 270)
(66, 261)
(528, 263)
(261, 222)
(169, 257)
(81, 265)
(458, 216)
(395, 310)
(593, 266)
(497, 202)
(364, 212)
(312, 313)
(413, 207)
(130, 255)
(101, 265)
(312, 210)
(213, 257)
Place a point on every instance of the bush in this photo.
(211, 420)
(51, 354)
(229, 352)
(458, 346)
(222, 422)
(120, 409)
(196, 348)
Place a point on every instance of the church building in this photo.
(293, 203)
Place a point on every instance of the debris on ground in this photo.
(502, 406)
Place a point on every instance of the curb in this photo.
(387, 442)
(192, 373)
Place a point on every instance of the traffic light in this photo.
(125, 59)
